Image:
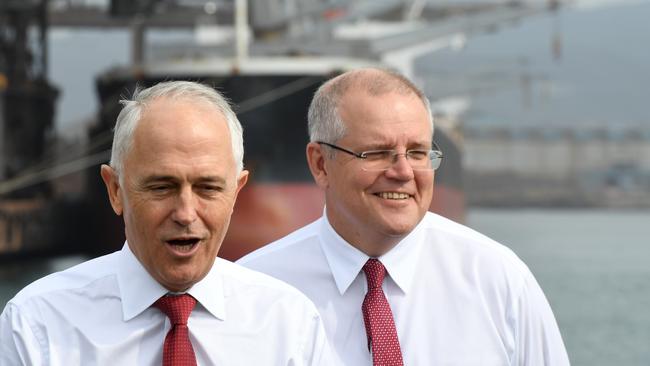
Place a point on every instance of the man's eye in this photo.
(378, 155)
(418, 154)
(160, 188)
(210, 188)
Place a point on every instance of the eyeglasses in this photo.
(377, 160)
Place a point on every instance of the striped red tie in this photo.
(178, 349)
(380, 326)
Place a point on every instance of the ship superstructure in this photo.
(268, 57)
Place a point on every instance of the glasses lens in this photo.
(435, 163)
(425, 164)
(384, 160)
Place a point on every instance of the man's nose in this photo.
(400, 168)
(185, 207)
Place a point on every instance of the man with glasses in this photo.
(394, 283)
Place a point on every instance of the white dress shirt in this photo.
(100, 313)
(457, 297)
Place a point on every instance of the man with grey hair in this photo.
(395, 284)
(165, 298)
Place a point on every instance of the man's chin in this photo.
(182, 276)
(399, 225)
(177, 285)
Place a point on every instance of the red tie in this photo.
(380, 326)
(178, 349)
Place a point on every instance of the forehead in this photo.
(387, 118)
(176, 132)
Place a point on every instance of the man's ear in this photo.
(112, 182)
(316, 161)
(241, 181)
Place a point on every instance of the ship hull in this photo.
(279, 198)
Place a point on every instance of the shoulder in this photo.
(252, 294)
(286, 248)
(77, 277)
(475, 250)
(242, 281)
(275, 307)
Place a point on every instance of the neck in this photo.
(374, 250)
(370, 243)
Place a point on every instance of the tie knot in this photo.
(375, 273)
(176, 307)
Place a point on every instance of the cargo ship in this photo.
(268, 57)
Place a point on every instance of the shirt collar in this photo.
(346, 261)
(209, 292)
(139, 290)
(401, 262)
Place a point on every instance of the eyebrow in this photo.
(211, 179)
(170, 178)
(417, 145)
(421, 145)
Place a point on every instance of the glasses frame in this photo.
(363, 155)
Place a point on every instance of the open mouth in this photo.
(393, 195)
(183, 245)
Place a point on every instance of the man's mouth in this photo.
(183, 245)
(393, 195)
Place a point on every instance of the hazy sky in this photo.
(601, 74)
(509, 77)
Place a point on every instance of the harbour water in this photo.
(592, 265)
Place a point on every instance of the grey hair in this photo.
(132, 111)
(325, 123)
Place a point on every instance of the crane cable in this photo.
(33, 175)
